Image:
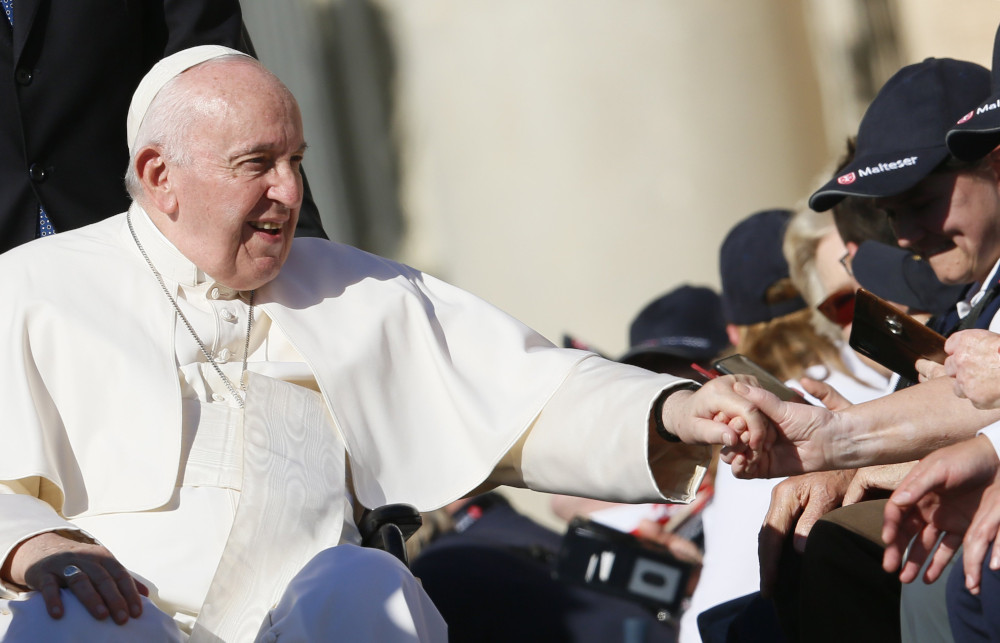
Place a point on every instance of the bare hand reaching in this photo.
(950, 493)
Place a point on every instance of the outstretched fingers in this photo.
(981, 539)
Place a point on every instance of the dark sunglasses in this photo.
(839, 307)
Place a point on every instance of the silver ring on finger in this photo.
(69, 571)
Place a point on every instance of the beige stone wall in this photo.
(571, 160)
(940, 28)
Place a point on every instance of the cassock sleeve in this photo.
(592, 439)
(26, 514)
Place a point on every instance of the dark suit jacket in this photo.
(67, 72)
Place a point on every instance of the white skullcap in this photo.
(160, 75)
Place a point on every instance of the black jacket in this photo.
(67, 73)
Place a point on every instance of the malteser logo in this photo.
(982, 109)
(887, 167)
(846, 179)
(988, 107)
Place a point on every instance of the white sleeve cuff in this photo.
(992, 433)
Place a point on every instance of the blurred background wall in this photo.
(570, 160)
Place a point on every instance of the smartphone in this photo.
(741, 364)
(891, 337)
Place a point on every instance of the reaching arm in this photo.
(900, 427)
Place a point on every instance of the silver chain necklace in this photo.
(238, 395)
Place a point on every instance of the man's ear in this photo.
(852, 248)
(993, 158)
(154, 174)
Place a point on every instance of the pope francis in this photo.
(195, 409)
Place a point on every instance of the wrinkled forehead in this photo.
(162, 73)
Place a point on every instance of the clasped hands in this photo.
(761, 435)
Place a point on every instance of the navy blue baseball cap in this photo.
(901, 138)
(686, 322)
(977, 133)
(750, 264)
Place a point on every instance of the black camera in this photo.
(620, 564)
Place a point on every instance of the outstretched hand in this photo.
(801, 438)
(952, 492)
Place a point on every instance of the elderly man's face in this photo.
(238, 198)
(953, 220)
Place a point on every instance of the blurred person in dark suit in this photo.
(69, 68)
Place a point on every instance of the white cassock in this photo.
(369, 381)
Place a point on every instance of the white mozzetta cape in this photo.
(429, 386)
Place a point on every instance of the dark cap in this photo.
(901, 138)
(686, 322)
(899, 276)
(977, 133)
(750, 263)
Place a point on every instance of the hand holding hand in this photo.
(716, 414)
(802, 438)
(49, 561)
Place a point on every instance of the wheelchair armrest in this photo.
(389, 527)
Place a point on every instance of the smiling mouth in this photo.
(935, 250)
(268, 227)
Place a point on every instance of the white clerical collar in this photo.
(965, 306)
(169, 261)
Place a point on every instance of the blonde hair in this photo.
(786, 346)
(805, 230)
